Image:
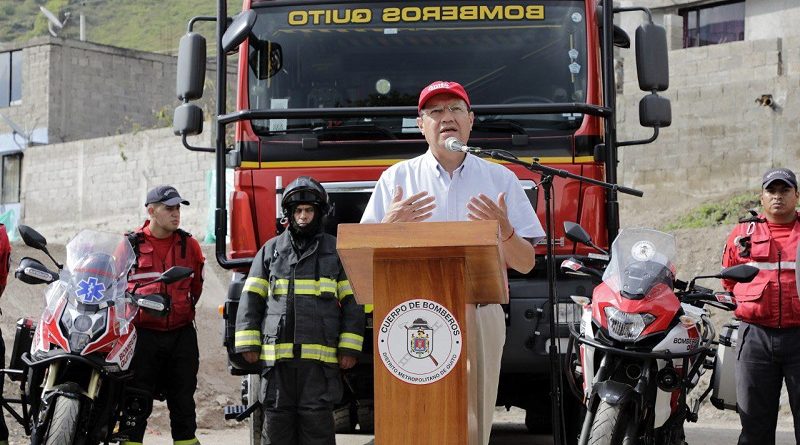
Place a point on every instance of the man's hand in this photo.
(250, 356)
(347, 361)
(415, 208)
(482, 207)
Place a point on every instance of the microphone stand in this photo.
(547, 174)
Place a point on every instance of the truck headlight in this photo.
(626, 326)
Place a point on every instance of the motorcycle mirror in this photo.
(574, 232)
(741, 273)
(175, 273)
(171, 275)
(31, 271)
(32, 238)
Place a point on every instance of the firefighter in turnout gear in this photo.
(297, 314)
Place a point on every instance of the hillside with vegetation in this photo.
(148, 25)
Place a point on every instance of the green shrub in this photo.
(716, 213)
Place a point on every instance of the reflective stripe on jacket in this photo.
(183, 294)
(327, 321)
(771, 299)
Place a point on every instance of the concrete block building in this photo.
(57, 91)
(734, 74)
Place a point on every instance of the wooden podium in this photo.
(402, 268)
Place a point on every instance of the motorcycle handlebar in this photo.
(701, 296)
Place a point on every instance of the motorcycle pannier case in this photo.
(23, 337)
(723, 395)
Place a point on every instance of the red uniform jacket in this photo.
(183, 295)
(5, 258)
(771, 299)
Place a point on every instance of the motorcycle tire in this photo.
(64, 423)
(608, 428)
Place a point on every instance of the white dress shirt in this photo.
(472, 177)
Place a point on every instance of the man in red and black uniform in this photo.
(166, 359)
(769, 334)
(5, 260)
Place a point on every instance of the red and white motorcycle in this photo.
(643, 339)
(84, 342)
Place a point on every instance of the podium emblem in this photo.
(406, 340)
(420, 335)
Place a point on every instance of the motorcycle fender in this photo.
(69, 389)
(613, 393)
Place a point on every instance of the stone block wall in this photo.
(721, 140)
(101, 183)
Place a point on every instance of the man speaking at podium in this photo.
(452, 185)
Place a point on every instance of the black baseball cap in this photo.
(165, 194)
(779, 174)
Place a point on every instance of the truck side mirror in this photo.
(187, 120)
(267, 59)
(238, 30)
(191, 74)
(621, 38)
(655, 111)
(652, 64)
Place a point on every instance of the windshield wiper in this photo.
(321, 130)
(365, 129)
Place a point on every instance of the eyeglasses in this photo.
(438, 112)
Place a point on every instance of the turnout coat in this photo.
(298, 306)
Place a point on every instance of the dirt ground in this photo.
(699, 252)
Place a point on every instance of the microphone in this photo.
(453, 144)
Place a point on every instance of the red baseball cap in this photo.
(440, 87)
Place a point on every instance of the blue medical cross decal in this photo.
(90, 290)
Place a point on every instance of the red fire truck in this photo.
(329, 89)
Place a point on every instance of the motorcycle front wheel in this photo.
(608, 427)
(64, 424)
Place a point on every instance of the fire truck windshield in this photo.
(363, 54)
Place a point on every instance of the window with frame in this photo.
(713, 24)
(10, 78)
(11, 178)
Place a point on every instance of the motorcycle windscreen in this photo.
(640, 259)
(97, 266)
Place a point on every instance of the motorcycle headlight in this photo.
(78, 341)
(626, 326)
